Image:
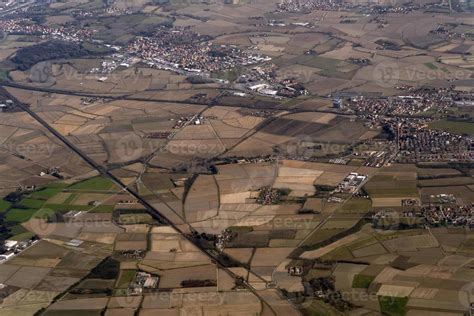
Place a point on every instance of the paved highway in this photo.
(150, 208)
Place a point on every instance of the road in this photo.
(124, 96)
(16, 7)
(150, 208)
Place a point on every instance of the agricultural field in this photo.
(414, 258)
(265, 157)
(97, 275)
(454, 127)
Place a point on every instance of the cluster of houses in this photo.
(142, 281)
(12, 247)
(352, 183)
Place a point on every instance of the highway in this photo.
(150, 208)
(124, 96)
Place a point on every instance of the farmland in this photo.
(454, 127)
(244, 158)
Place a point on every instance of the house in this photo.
(6, 256)
(9, 244)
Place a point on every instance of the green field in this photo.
(126, 277)
(20, 215)
(341, 253)
(389, 186)
(3, 74)
(355, 206)
(94, 209)
(393, 306)
(4, 205)
(463, 128)
(431, 66)
(362, 281)
(95, 48)
(93, 184)
(32, 203)
(19, 233)
(319, 308)
(137, 218)
(71, 198)
(45, 193)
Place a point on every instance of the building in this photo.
(6, 256)
(338, 103)
(151, 282)
(9, 244)
(74, 243)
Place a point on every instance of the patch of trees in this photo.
(308, 211)
(229, 262)
(91, 291)
(107, 269)
(325, 286)
(198, 80)
(364, 220)
(14, 197)
(29, 56)
(388, 44)
(198, 283)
